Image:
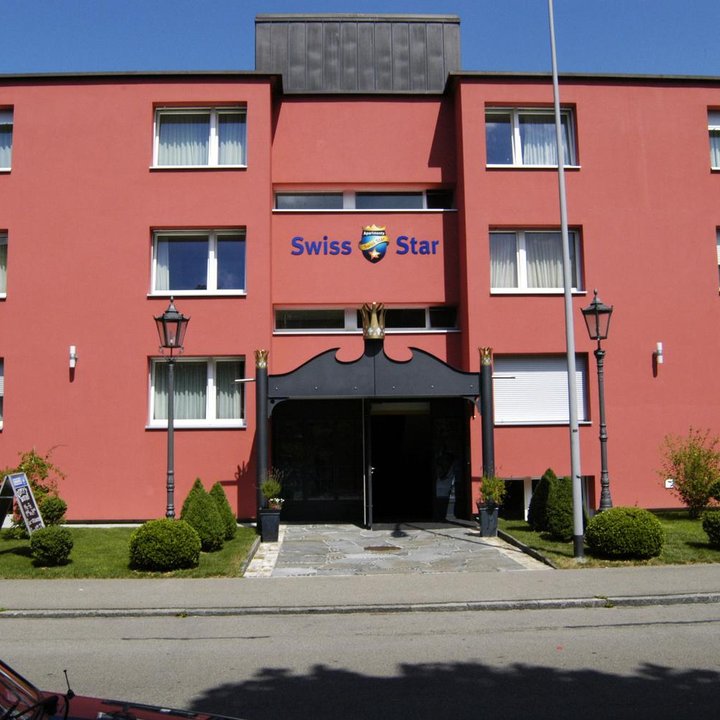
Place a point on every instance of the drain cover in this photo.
(382, 548)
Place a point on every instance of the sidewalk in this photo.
(495, 576)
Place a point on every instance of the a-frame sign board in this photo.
(17, 486)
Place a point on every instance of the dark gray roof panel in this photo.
(358, 53)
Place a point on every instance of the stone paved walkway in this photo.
(322, 550)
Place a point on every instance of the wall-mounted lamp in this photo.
(658, 354)
(73, 357)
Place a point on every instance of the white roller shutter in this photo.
(533, 389)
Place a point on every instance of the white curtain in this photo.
(503, 260)
(537, 137)
(190, 390)
(231, 131)
(228, 392)
(714, 148)
(184, 139)
(543, 253)
(6, 133)
(162, 265)
(3, 263)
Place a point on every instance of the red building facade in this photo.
(246, 198)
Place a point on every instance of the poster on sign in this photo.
(17, 487)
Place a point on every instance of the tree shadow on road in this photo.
(467, 690)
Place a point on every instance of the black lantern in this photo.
(171, 327)
(597, 318)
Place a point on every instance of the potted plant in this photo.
(271, 490)
(492, 493)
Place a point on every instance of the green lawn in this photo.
(685, 542)
(103, 553)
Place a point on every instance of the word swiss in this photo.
(404, 245)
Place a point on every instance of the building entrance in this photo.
(368, 461)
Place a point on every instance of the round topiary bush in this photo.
(625, 532)
(164, 545)
(711, 526)
(217, 493)
(200, 511)
(51, 545)
(52, 509)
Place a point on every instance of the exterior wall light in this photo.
(73, 357)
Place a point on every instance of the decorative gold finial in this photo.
(373, 320)
(486, 355)
(261, 358)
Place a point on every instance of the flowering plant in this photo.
(271, 488)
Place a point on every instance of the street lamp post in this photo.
(597, 318)
(171, 327)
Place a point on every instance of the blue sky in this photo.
(670, 37)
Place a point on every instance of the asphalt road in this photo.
(659, 662)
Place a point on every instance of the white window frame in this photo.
(210, 420)
(7, 118)
(515, 113)
(211, 265)
(713, 131)
(214, 136)
(521, 260)
(4, 243)
(533, 389)
(349, 200)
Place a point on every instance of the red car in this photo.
(21, 700)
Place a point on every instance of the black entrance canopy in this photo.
(375, 376)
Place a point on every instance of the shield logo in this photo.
(373, 243)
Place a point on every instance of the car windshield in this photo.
(18, 698)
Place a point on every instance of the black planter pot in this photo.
(269, 525)
(488, 520)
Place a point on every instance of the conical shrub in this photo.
(217, 493)
(200, 512)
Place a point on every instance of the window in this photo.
(205, 392)
(437, 199)
(200, 137)
(434, 318)
(6, 138)
(531, 260)
(527, 137)
(534, 389)
(199, 261)
(714, 131)
(3, 263)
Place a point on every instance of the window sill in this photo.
(283, 211)
(198, 167)
(358, 331)
(198, 425)
(530, 167)
(534, 291)
(539, 423)
(198, 293)
(4, 171)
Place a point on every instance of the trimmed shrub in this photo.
(51, 545)
(559, 509)
(537, 512)
(625, 532)
(164, 544)
(711, 526)
(217, 493)
(53, 509)
(201, 512)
